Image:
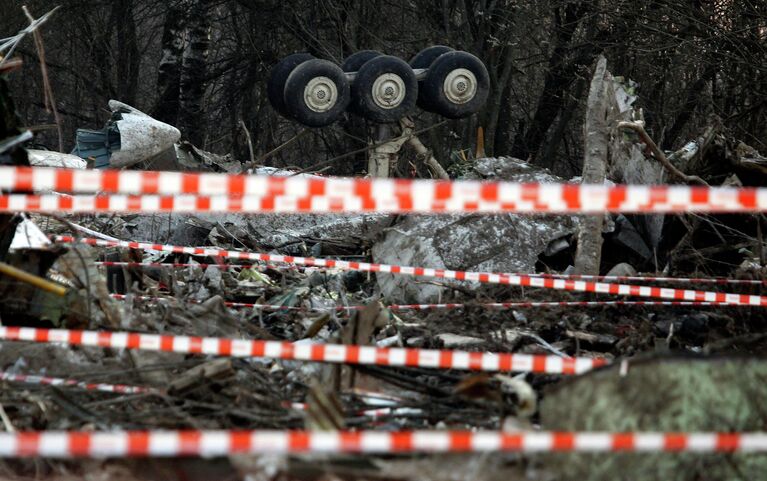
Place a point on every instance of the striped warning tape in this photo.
(125, 389)
(188, 204)
(57, 381)
(446, 306)
(484, 277)
(68, 444)
(140, 191)
(332, 353)
(681, 280)
(183, 265)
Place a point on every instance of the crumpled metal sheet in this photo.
(29, 236)
(141, 136)
(499, 243)
(50, 158)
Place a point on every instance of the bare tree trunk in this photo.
(129, 63)
(694, 93)
(502, 135)
(549, 150)
(9, 127)
(501, 93)
(191, 119)
(99, 50)
(560, 74)
(597, 139)
(169, 71)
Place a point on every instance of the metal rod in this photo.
(32, 279)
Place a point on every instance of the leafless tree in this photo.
(202, 65)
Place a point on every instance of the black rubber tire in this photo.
(275, 86)
(299, 78)
(363, 102)
(355, 61)
(433, 93)
(424, 59)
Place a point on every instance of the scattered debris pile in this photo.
(172, 293)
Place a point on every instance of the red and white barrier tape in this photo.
(122, 444)
(484, 277)
(140, 191)
(57, 381)
(183, 265)
(428, 307)
(333, 353)
(681, 280)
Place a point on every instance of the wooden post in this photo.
(597, 138)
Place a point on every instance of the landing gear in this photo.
(378, 87)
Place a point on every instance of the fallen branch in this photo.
(407, 129)
(10, 43)
(48, 98)
(659, 155)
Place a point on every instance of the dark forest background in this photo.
(202, 65)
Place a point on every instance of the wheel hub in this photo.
(320, 94)
(388, 91)
(460, 86)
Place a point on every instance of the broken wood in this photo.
(597, 139)
(413, 141)
(92, 306)
(323, 409)
(216, 370)
(480, 152)
(359, 331)
(316, 326)
(659, 155)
